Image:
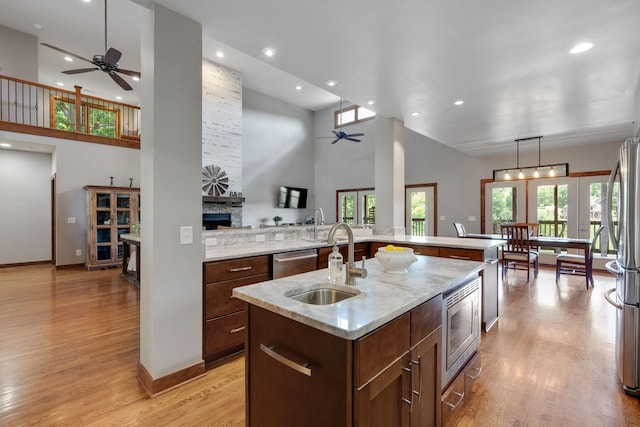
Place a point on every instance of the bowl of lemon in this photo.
(395, 259)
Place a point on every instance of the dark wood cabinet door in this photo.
(385, 400)
(296, 375)
(426, 360)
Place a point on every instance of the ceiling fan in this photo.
(340, 134)
(107, 62)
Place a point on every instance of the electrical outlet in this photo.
(472, 219)
(260, 238)
(441, 217)
(78, 252)
(71, 220)
(279, 236)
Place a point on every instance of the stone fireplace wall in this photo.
(222, 138)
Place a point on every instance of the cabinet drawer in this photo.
(377, 350)
(225, 335)
(453, 401)
(425, 250)
(218, 271)
(468, 254)
(217, 296)
(425, 318)
(471, 374)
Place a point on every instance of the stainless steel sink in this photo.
(321, 296)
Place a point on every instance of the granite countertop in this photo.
(218, 253)
(382, 298)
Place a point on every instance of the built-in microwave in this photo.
(461, 319)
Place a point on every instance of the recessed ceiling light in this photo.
(36, 26)
(298, 87)
(5, 144)
(135, 78)
(582, 47)
(60, 84)
(331, 83)
(68, 59)
(220, 54)
(459, 102)
(371, 101)
(119, 98)
(415, 113)
(87, 1)
(269, 52)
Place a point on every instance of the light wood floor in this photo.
(69, 349)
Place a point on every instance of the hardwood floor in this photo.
(69, 348)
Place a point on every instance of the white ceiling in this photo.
(508, 61)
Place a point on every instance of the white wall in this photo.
(18, 54)
(25, 210)
(77, 164)
(343, 165)
(277, 149)
(457, 175)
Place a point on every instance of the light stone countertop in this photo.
(223, 252)
(382, 298)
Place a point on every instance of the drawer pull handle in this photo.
(302, 368)
(453, 407)
(235, 270)
(459, 257)
(475, 377)
(295, 258)
(236, 330)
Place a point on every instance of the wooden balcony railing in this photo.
(36, 109)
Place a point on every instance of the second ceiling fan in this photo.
(108, 62)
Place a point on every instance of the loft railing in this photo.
(33, 108)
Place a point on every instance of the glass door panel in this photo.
(347, 206)
(103, 253)
(367, 207)
(103, 217)
(103, 235)
(123, 201)
(552, 205)
(103, 201)
(123, 217)
(420, 211)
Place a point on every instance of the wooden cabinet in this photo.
(299, 375)
(225, 318)
(111, 212)
(455, 398)
(359, 250)
(296, 375)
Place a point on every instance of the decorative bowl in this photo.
(395, 259)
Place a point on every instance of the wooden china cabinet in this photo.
(111, 212)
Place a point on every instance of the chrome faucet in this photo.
(352, 270)
(315, 222)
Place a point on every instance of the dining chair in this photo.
(577, 265)
(517, 253)
(460, 229)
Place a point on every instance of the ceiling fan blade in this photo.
(355, 134)
(121, 82)
(336, 140)
(129, 73)
(352, 139)
(80, 70)
(66, 52)
(336, 133)
(112, 56)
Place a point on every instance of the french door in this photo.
(357, 207)
(420, 210)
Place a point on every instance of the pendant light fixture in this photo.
(530, 172)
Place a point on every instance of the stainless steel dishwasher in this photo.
(295, 262)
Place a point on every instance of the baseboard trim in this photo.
(154, 387)
(69, 266)
(25, 264)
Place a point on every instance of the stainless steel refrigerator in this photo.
(624, 226)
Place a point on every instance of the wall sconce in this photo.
(530, 172)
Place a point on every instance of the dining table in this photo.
(547, 242)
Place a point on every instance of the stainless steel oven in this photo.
(460, 327)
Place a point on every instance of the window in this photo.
(352, 114)
(356, 207)
(103, 121)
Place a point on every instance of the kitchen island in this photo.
(374, 358)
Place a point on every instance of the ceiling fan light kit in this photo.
(530, 172)
(107, 62)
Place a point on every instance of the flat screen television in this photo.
(292, 197)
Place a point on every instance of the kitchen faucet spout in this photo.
(352, 270)
(319, 212)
